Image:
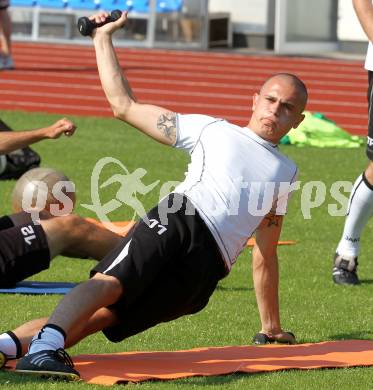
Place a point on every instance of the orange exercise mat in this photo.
(122, 228)
(109, 369)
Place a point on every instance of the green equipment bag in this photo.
(316, 130)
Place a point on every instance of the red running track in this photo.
(63, 79)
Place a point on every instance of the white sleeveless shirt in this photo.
(233, 180)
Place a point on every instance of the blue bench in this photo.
(56, 4)
(83, 4)
(165, 6)
(136, 6)
(23, 3)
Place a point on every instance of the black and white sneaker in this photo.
(3, 359)
(345, 270)
(47, 363)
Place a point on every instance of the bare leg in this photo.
(26, 331)
(101, 319)
(5, 32)
(77, 308)
(73, 236)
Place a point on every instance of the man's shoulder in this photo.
(198, 118)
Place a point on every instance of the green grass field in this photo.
(311, 305)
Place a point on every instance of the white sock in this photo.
(8, 346)
(50, 337)
(359, 211)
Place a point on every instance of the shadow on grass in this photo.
(222, 288)
(358, 335)
(366, 281)
(14, 380)
(214, 380)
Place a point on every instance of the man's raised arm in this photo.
(155, 121)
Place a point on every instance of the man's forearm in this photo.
(266, 281)
(113, 81)
(10, 140)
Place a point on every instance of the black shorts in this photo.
(24, 252)
(4, 4)
(370, 117)
(167, 271)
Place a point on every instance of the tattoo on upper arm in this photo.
(272, 220)
(166, 124)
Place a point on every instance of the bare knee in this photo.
(108, 286)
(73, 227)
(72, 220)
(64, 233)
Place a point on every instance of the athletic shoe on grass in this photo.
(344, 270)
(47, 363)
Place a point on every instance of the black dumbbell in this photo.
(86, 26)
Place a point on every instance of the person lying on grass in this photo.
(27, 246)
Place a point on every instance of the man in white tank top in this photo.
(237, 183)
(360, 207)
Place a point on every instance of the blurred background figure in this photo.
(6, 60)
(190, 25)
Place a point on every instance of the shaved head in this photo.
(292, 80)
(278, 107)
